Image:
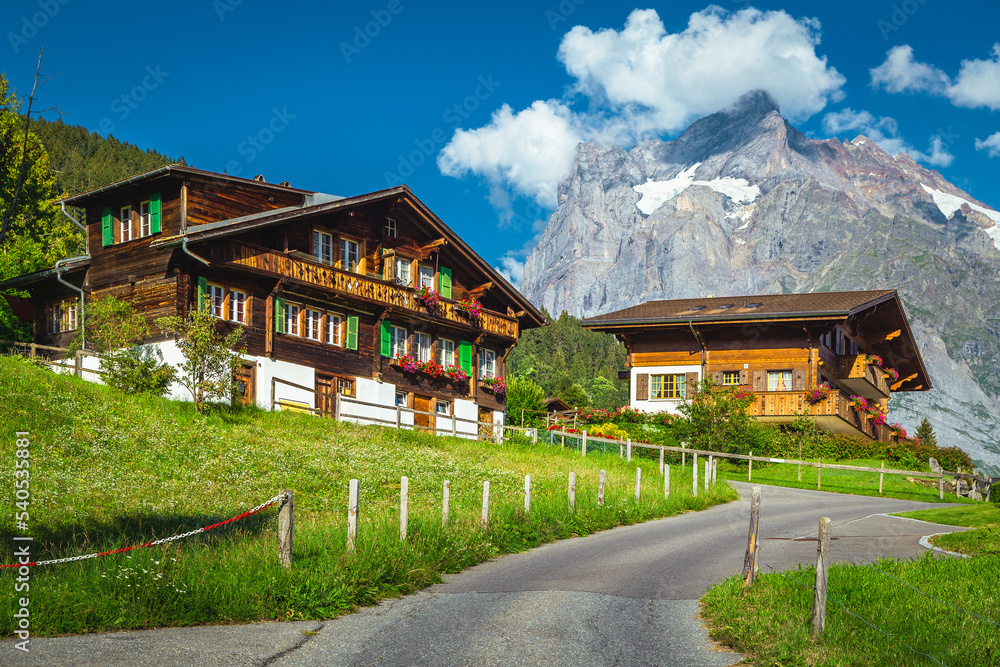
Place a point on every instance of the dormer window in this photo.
(131, 220)
(350, 253)
(390, 228)
(697, 308)
(323, 247)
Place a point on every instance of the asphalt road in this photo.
(627, 596)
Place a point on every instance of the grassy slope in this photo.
(110, 470)
(983, 518)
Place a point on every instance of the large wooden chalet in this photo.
(779, 345)
(327, 287)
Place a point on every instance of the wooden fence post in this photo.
(708, 472)
(819, 475)
(399, 417)
(273, 383)
(694, 477)
(881, 478)
(583, 446)
(572, 492)
(941, 486)
(661, 460)
(534, 436)
(750, 468)
(683, 455)
(628, 449)
(562, 442)
(600, 489)
(822, 574)
(445, 501)
(285, 530)
(638, 483)
(486, 504)
(352, 516)
(749, 560)
(404, 506)
(34, 350)
(715, 470)
(666, 480)
(78, 364)
(336, 406)
(958, 484)
(527, 493)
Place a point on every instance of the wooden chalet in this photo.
(781, 346)
(327, 288)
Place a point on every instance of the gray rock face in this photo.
(742, 203)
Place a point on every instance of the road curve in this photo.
(627, 596)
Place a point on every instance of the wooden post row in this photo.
(822, 574)
(749, 560)
(285, 529)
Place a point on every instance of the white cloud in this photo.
(512, 269)
(977, 83)
(642, 81)
(884, 131)
(990, 144)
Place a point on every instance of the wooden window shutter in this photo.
(642, 387)
(385, 338)
(465, 356)
(155, 213)
(690, 384)
(107, 230)
(279, 315)
(744, 377)
(798, 379)
(352, 333)
(760, 380)
(202, 292)
(445, 282)
(717, 377)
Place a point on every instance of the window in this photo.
(401, 399)
(345, 386)
(216, 295)
(313, 321)
(423, 342)
(333, 323)
(323, 247)
(779, 380)
(390, 228)
(487, 363)
(125, 221)
(730, 377)
(447, 352)
(292, 319)
(144, 218)
(402, 273)
(397, 341)
(425, 277)
(349, 253)
(667, 386)
(64, 316)
(237, 306)
(443, 408)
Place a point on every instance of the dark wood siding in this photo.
(210, 201)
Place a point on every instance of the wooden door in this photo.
(486, 415)
(423, 417)
(326, 389)
(246, 384)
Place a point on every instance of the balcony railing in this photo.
(372, 289)
(862, 378)
(834, 412)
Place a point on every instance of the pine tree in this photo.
(926, 433)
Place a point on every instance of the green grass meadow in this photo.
(109, 471)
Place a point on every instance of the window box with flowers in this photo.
(745, 394)
(456, 374)
(892, 374)
(470, 308)
(876, 415)
(406, 363)
(428, 297)
(497, 385)
(817, 395)
(898, 431)
(873, 360)
(858, 403)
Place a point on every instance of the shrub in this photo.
(135, 371)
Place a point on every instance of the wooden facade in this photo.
(321, 284)
(781, 347)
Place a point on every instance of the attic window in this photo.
(757, 304)
(725, 306)
(697, 308)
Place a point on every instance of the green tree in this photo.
(210, 359)
(574, 394)
(717, 418)
(926, 433)
(525, 394)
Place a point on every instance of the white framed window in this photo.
(125, 223)
(487, 363)
(216, 296)
(397, 341)
(292, 319)
(313, 324)
(237, 306)
(425, 277)
(323, 247)
(345, 386)
(390, 228)
(779, 380)
(401, 399)
(672, 385)
(402, 270)
(447, 352)
(423, 343)
(349, 254)
(443, 408)
(65, 316)
(333, 323)
(144, 218)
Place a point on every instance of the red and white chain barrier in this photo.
(262, 506)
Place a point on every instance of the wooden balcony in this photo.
(370, 289)
(833, 414)
(862, 378)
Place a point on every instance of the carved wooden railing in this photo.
(355, 284)
(837, 404)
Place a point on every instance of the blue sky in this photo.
(351, 99)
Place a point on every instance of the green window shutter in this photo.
(445, 281)
(155, 213)
(386, 339)
(107, 234)
(465, 356)
(202, 292)
(352, 332)
(279, 315)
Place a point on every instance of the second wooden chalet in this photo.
(783, 346)
(371, 297)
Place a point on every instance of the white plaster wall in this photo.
(660, 405)
(283, 370)
(373, 391)
(464, 409)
